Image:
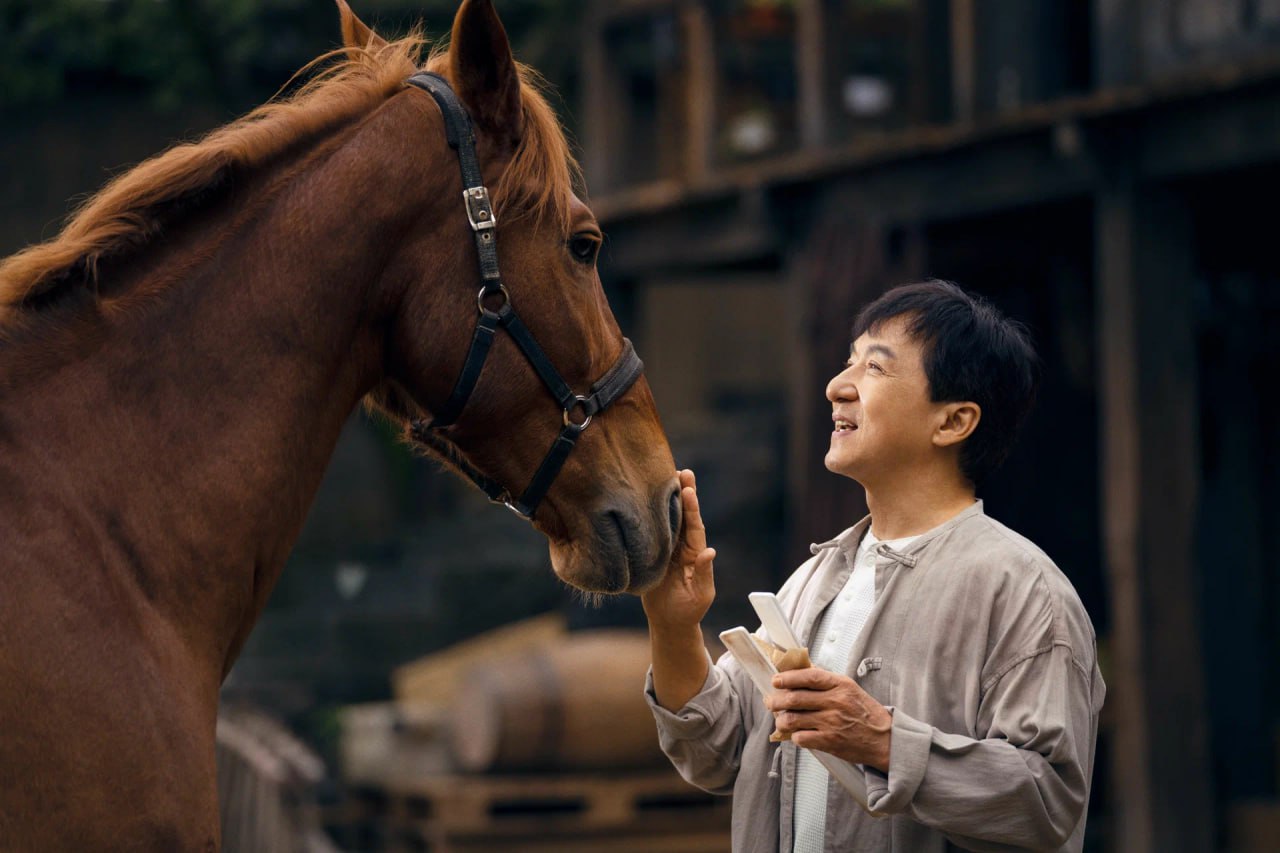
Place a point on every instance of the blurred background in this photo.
(1104, 170)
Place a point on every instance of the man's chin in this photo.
(837, 464)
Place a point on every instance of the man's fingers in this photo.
(811, 739)
(692, 511)
(689, 497)
(810, 678)
(795, 700)
(701, 565)
(703, 575)
(695, 535)
(789, 722)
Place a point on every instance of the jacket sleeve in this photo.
(1024, 784)
(704, 739)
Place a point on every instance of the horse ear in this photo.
(355, 32)
(484, 71)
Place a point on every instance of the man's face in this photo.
(883, 419)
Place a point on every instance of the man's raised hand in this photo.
(684, 595)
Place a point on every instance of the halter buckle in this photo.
(479, 211)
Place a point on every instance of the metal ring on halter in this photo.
(582, 401)
(485, 291)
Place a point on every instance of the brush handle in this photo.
(761, 671)
(775, 621)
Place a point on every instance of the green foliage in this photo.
(231, 52)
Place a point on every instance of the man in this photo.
(955, 666)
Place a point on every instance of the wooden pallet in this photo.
(484, 803)
(690, 842)
(629, 813)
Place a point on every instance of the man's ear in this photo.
(484, 72)
(959, 420)
(355, 33)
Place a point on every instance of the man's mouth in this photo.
(843, 426)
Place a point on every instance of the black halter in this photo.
(610, 387)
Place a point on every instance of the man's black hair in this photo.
(973, 353)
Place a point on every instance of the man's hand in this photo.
(826, 711)
(685, 594)
(675, 608)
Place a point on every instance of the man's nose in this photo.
(841, 388)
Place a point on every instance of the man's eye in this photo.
(871, 365)
(584, 247)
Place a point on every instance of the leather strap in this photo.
(481, 340)
(621, 376)
(458, 131)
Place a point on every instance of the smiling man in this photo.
(955, 666)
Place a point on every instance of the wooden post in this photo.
(811, 68)
(1116, 53)
(1161, 772)
(598, 104)
(963, 61)
(700, 89)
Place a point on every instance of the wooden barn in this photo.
(1102, 170)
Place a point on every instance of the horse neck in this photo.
(219, 398)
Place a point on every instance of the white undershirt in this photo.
(833, 638)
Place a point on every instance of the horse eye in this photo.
(583, 247)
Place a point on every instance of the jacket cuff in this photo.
(909, 744)
(695, 718)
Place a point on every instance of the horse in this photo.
(177, 364)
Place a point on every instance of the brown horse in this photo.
(175, 369)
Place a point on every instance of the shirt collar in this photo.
(849, 539)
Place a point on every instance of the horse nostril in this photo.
(675, 513)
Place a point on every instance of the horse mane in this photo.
(135, 208)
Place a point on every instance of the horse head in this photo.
(611, 513)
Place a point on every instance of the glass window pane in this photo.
(644, 54)
(756, 77)
(873, 83)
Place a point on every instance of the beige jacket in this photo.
(984, 653)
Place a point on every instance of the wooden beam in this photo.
(1003, 173)
(1161, 773)
(1228, 131)
(728, 230)
(1225, 120)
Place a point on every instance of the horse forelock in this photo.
(132, 210)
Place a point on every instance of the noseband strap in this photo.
(578, 409)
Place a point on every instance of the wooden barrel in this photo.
(578, 704)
